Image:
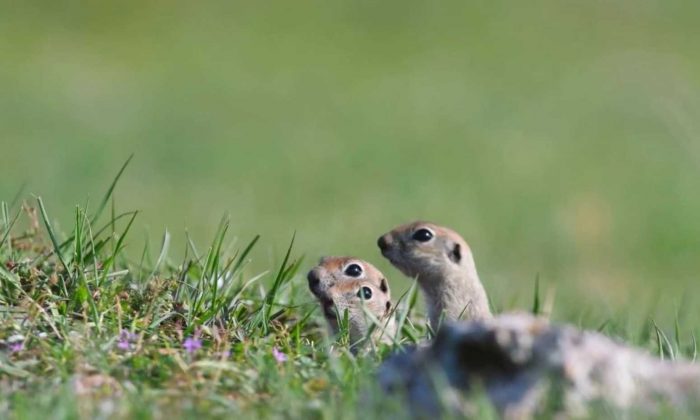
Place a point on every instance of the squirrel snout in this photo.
(384, 242)
(314, 280)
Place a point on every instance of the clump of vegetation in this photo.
(88, 327)
(91, 325)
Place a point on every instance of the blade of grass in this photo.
(663, 342)
(193, 247)
(164, 247)
(376, 323)
(270, 297)
(78, 235)
(8, 226)
(5, 214)
(244, 254)
(659, 344)
(207, 284)
(299, 325)
(239, 294)
(54, 241)
(145, 256)
(111, 224)
(677, 334)
(109, 262)
(110, 191)
(536, 302)
(93, 307)
(10, 284)
(215, 274)
(403, 315)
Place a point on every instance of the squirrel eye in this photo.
(353, 270)
(422, 235)
(365, 293)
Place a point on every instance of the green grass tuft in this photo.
(92, 325)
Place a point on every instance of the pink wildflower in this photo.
(278, 355)
(192, 344)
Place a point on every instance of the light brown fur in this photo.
(338, 292)
(444, 267)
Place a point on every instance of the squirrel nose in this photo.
(383, 242)
(314, 279)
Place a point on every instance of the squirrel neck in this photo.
(455, 292)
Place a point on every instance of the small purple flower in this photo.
(127, 340)
(278, 355)
(16, 347)
(192, 344)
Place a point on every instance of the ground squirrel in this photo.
(443, 264)
(345, 283)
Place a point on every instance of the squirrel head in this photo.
(353, 286)
(425, 250)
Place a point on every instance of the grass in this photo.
(91, 327)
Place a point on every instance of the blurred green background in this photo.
(561, 138)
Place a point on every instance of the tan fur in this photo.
(337, 292)
(450, 284)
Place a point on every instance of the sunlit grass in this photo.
(93, 326)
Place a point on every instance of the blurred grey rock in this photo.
(525, 366)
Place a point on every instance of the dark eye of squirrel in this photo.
(422, 235)
(353, 270)
(365, 293)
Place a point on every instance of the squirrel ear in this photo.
(455, 254)
(384, 286)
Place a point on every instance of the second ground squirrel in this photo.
(349, 284)
(444, 267)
